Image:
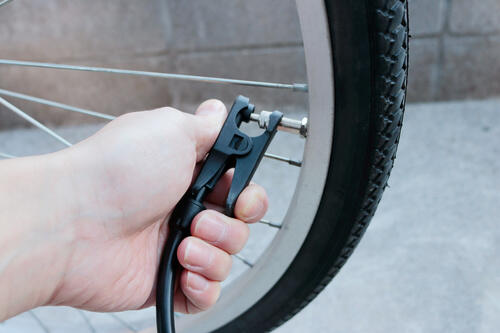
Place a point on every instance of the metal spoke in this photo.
(293, 86)
(40, 323)
(244, 260)
(5, 155)
(287, 124)
(55, 104)
(270, 224)
(34, 122)
(87, 320)
(283, 159)
(123, 322)
(4, 2)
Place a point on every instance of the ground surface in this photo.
(429, 262)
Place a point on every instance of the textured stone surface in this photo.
(257, 39)
(426, 16)
(116, 94)
(423, 67)
(286, 65)
(477, 16)
(24, 322)
(132, 35)
(229, 23)
(58, 29)
(107, 93)
(471, 68)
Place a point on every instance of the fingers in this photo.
(225, 233)
(198, 293)
(204, 265)
(251, 205)
(205, 257)
(208, 121)
(219, 193)
(200, 257)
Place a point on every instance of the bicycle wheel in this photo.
(369, 48)
(356, 55)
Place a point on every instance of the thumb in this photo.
(209, 118)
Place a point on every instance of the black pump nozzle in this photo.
(233, 148)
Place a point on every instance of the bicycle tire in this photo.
(369, 41)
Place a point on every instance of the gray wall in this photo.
(255, 40)
(454, 51)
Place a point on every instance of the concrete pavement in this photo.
(430, 260)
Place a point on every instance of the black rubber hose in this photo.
(179, 228)
(165, 288)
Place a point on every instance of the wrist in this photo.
(37, 237)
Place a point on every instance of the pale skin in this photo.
(85, 226)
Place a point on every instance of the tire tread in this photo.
(392, 45)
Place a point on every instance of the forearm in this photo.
(35, 227)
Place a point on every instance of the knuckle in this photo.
(174, 119)
(197, 256)
(212, 227)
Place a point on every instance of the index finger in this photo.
(251, 205)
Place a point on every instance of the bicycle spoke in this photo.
(283, 159)
(270, 224)
(40, 323)
(33, 121)
(293, 86)
(4, 155)
(123, 322)
(55, 104)
(244, 260)
(87, 320)
(4, 2)
(83, 111)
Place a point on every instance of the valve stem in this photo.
(287, 124)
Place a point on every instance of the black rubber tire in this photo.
(370, 57)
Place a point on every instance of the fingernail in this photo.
(211, 228)
(196, 282)
(253, 208)
(211, 107)
(196, 257)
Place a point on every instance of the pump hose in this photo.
(169, 265)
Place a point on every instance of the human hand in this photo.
(121, 185)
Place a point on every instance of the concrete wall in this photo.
(254, 40)
(454, 49)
